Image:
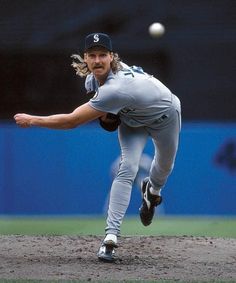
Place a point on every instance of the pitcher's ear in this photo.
(112, 56)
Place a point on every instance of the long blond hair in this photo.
(82, 70)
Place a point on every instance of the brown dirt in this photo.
(139, 258)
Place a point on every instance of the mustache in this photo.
(97, 66)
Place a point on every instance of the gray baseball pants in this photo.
(165, 137)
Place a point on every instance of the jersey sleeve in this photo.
(110, 100)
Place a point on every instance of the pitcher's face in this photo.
(99, 61)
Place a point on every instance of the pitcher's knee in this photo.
(127, 172)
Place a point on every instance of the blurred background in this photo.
(49, 172)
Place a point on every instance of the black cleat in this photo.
(106, 253)
(149, 202)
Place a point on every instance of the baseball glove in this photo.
(110, 123)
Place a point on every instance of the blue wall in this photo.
(68, 172)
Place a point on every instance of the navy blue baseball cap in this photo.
(98, 39)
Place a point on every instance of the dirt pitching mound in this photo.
(139, 258)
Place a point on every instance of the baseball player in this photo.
(140, 106)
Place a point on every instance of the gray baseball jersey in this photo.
(139, 98)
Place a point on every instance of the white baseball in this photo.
(156, 29)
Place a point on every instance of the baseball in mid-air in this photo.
(156, 29)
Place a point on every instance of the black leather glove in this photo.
(110, 123)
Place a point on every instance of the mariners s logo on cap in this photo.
(98, 39)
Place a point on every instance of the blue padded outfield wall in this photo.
(50, 172)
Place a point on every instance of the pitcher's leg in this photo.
(132, 142)
(166, 145)
(165, 139)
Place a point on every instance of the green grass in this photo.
(171, 226)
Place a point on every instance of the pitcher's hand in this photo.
(23, 120)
